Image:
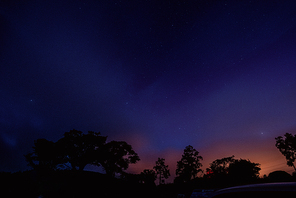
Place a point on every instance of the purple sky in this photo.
(218, 75)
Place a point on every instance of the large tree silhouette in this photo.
(161, 170)
(189, 165)
(287, 146)
(78, 150)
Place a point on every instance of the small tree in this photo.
(287, 146)
(189, 165)
(161, 170)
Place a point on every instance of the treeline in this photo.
(227, 170)
(58, 170)
(75, 150)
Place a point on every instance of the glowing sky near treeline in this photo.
(160, 75)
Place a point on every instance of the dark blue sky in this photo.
(218, 75)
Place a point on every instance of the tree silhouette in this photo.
(81, 149)
(161, 170)
(148, 176)
(243, 170)
(189, 165)
(117, 157)
(221, 166)
(78, 150)
(287, 146)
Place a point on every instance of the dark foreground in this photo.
(70, 184)
(85, 184)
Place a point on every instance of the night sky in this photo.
(160, 75)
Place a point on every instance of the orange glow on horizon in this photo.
(269, 158)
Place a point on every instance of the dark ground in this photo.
(76, 184)
(69, 184)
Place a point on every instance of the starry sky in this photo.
(160, 75)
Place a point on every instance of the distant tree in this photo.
(221, 166)
(161, 170)
(287, 146)
(81, 149)
(148, 176)
(189, 165)
(243, 170)
(117, 157)
(45, 155)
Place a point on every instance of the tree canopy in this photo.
(45, 156)
(287, 146)
(117, 157)
(221, 166)
(233, 170)
(81, 149)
